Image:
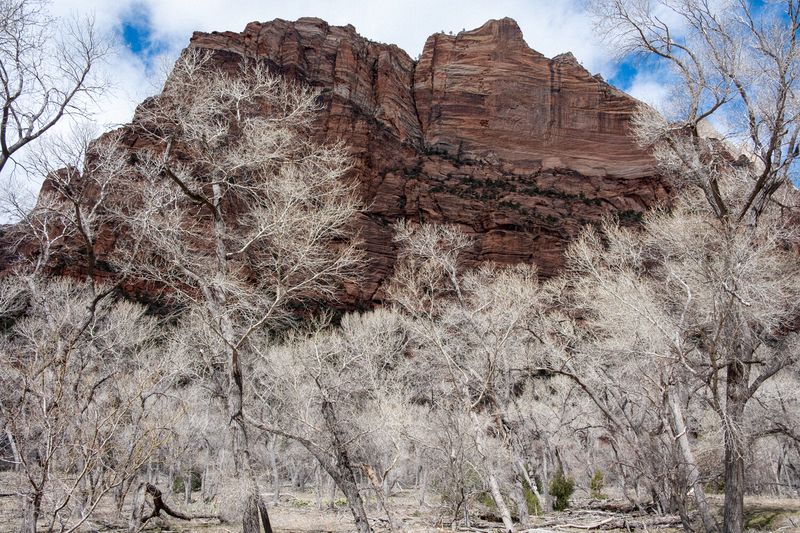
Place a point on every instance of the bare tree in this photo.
(47, 71)
(737, 66)
(67, 342)
(79, 428)
(482, 337)
(681, 303)
(332, 393)
(71, 218)
(244, 217)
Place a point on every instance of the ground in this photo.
(297, 512)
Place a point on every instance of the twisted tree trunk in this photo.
(342, 471)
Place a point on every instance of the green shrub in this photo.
(596, 485)
(534, 507)
(561, 488)
(485, 499)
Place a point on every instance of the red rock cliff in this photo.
(482, 131)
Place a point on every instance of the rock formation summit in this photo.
(481, 131)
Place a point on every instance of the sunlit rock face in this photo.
(483, 132)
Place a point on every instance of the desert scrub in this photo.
(596, 485)
(561, 488)
(534, 507)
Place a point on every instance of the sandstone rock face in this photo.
(483, 132)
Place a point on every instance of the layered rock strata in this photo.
(481, 131)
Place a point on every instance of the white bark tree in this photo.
(243, 216)
(332, 393)
(81, 382)
(47, 71)
(677, 306)
(67, 343)
(736, 66)
(482, 336)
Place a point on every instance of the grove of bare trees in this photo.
(738, 65)
(657, 373)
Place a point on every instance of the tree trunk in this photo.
(332, 493)
(31, 510)
(187, 487)
(255, 511)
(531, 483)
(204, 484)
(137, 509)
(693, 475)
(380, 488)
(494, 488)
(250, 517)
(119, 498)
(502, 508)
(303, 480)
(318, 491)
(423, 486)
(294, 468)
(387, 485)
(273, 461)
(350, 490)
(342, 471)
(262, 511)
(546, 502)
(736, 397)
(14, 451)
(523, 513)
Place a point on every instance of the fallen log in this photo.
(159, 506)
(597, 525)
(618, 506)
(615, 523)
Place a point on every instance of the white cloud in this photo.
(651, 88)
(549, 27)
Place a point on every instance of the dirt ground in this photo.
(297, 512)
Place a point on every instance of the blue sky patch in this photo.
(625, 74)
(136, 30)
(136, 36)
(634, 65)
